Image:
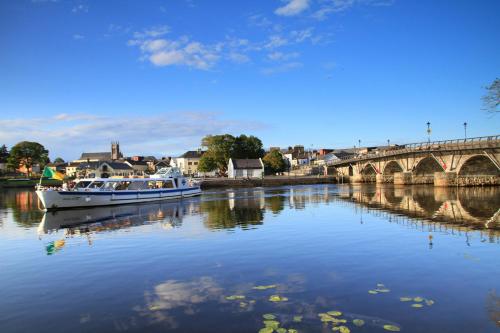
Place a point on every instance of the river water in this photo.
(414, 259)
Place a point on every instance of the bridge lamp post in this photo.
(465, 130)
(428, 132)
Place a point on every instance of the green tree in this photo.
(491, 100)
(247, 147)
(27, 154)
(4, 154)
(59, 160)
(274, 162)
(207, 164)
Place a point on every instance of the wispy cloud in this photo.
(328, 7)
(286, 67)
(281, 56)
(80, 9)
(152, 32)
(167, 133)
(293, 7)
(78, 37)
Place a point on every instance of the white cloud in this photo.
(280, 56)
(238, 58)
(68, 135)
(156, 31)
(281, 68)
(293, 7)
(78, 36)
(80, 9)
(275, 41)
(328, 7)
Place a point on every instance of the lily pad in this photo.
(358, 322)
(266, 330)
(277, 298)
(373, 292)
(341, 329)
(270, 286)
(429, 302)
(405, 299)
(154, 307)
(392, 328)
(235, 297)
(382, 290)
(269, 316)
(243, 304)
(380, 285)
(339, 321)
(325, 317)
(281, 330)
(297, 319)
(292, 330)
(274, 324)
(334, 313)
(417, 305)
(418, 299)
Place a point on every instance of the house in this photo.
(107, 169)
(115, 154)
(59, 167)
(140, 167)
(71, 169)
(245, 168)
(162, 164)
(188, 162)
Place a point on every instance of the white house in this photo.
(245, 168)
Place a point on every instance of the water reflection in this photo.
(23, 204)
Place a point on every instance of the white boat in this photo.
(167, 183)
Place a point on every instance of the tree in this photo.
(274, 162)
(27, 154)
(220, 148)
(58, 160)
(491, 100)
(4, 154)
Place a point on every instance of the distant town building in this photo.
(105, 170)
(245, 168)
(188, 162)
(115, 154)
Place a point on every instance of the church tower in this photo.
(115, 151)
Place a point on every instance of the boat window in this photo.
(122, 186)
(153, 184)
(168, 184)
(108, 186)
(82, 184)
(97, 184)
(136, 185)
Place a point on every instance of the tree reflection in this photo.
(24, 206)
(228, 214)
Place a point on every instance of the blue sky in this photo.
(159, 75)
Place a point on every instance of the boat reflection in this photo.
(110, 218)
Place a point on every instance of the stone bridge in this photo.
(461, 162)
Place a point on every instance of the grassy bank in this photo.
(25, 183)
(267, 181)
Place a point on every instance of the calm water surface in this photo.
(172, 266)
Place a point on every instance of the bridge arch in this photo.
(369, 169)
(391, 168)
(427, 166)
(479, 165)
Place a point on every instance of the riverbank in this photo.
(267, 181)
(26, 183)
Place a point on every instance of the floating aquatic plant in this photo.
(429, 302)
(277, 298)
(382, 290)
(243, 304)
(274, 324)
(266, 330)
(297, 319)
(373, 292)
(358, 322)
(281, 330)
(269, 316)
(270, 286)
(334, 313)
(154, 307)
(392, 328)
(341, 329)
(235, 297)
(292, 330)
(325, 317)
(417, 305)
(418, 299)
(405, 299)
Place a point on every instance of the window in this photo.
(96, 185)
(168, 184)
(195, 163)
(83, 184)
(109, 186)
(190, 163)
(122, 186)
(136, 185)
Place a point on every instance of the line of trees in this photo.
(24, 154)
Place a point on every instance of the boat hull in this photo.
(53, 200)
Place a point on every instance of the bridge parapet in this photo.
(483, 142)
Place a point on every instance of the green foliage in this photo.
(491, 100)
(274, 162)
(58, 160)
(27, 154)
(220, 148)
(4, 154)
